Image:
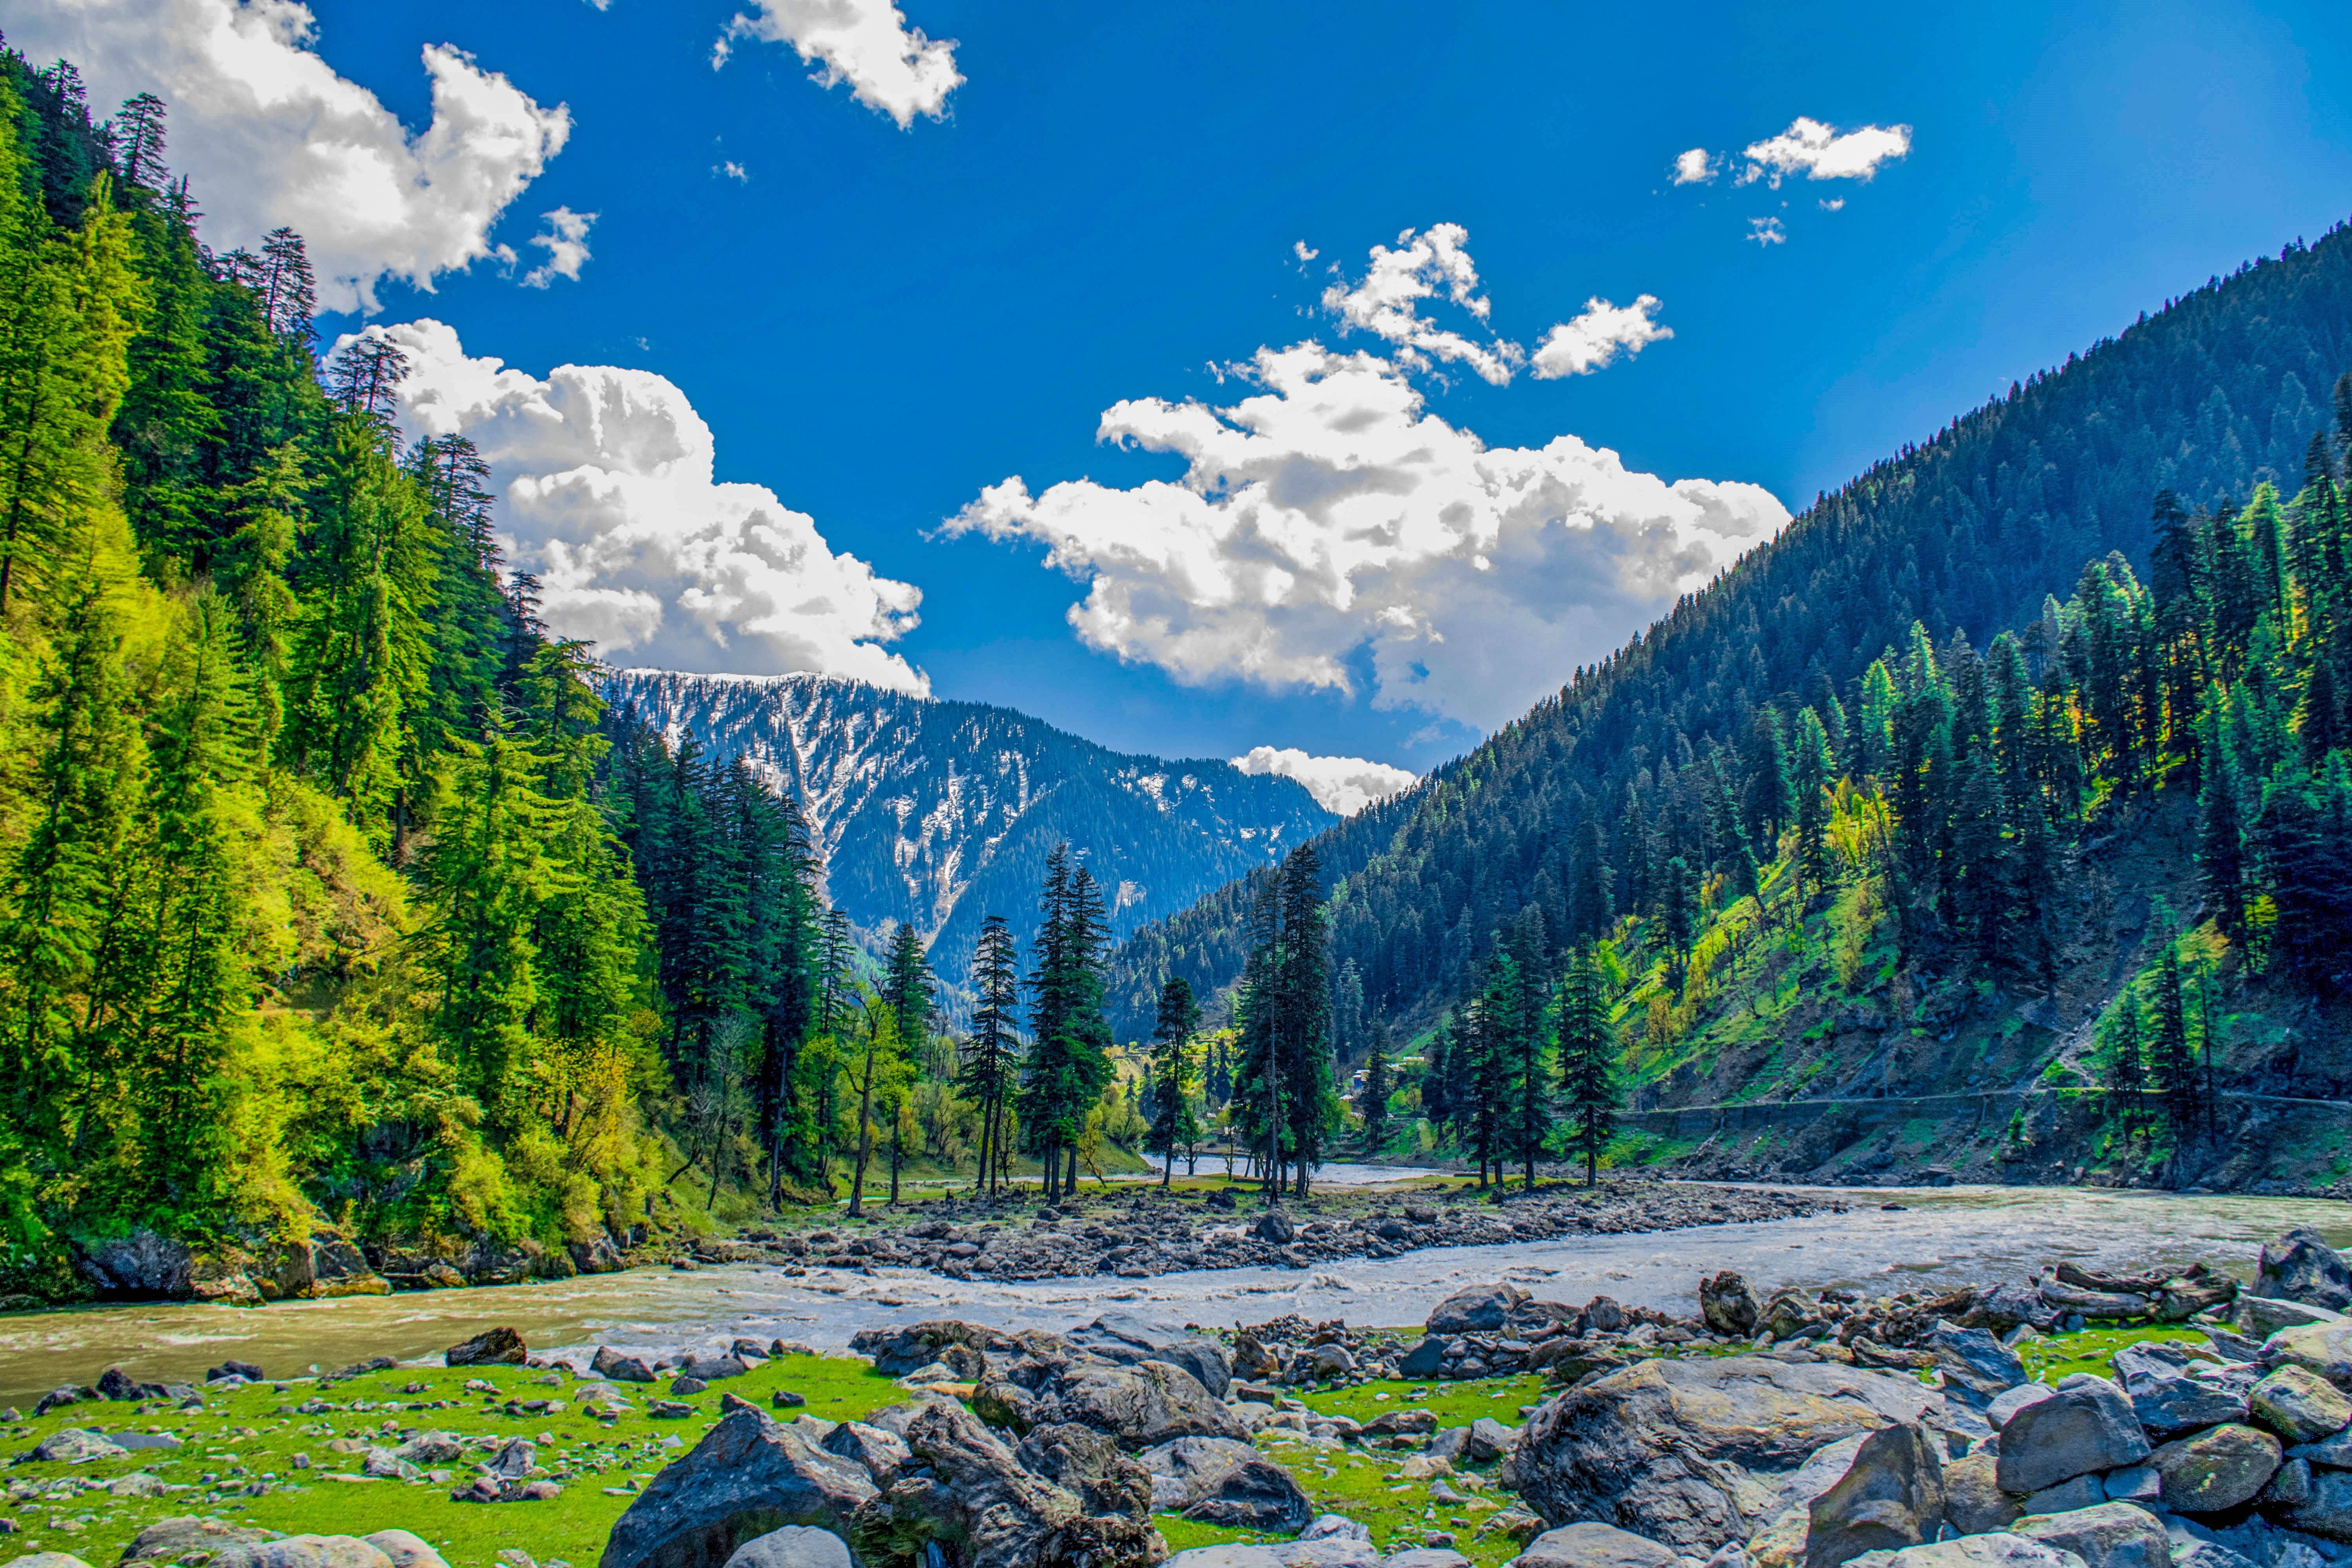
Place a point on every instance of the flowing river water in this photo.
(1945, 1236)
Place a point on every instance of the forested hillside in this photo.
(942, 814)
(332, 899)
(1966, 534)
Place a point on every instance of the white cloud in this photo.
(607, 490)
(566, 240)
(733, 170)
(1694, 167)
(1344, 786)
(1767, 231)
(1820, 152)
(1837, 205)
(1387, 303)
(893, 68)
(1330, 523)
(1300, 248)
(1593, 339)
(270, 135)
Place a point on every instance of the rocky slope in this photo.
(938, 814)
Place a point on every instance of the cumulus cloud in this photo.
(1594, 339)
(1822, 152)
(1305, 253)
(1343, 785)
(893, 68)
(1767, 231)
(1331, 524)
(607, 490)
(270, 135)
(1694, 167)
(1387, 303)
(566, 241)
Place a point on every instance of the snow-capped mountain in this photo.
(941, 813)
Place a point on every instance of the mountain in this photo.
(2032, 514)
(938, 814)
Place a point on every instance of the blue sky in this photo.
(878, 322)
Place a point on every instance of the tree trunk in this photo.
(865, 1131)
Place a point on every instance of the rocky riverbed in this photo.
(2077, 1418)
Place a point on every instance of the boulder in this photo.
(2133, 1483)
(793, 1546)
(1069, 1496)
(46, 1560)
(879, 1452)
(2324, 1348)
(1274, 1226)
(1593, 1545)
(610, 1363)
(1122, 1337)
(1219, 1481)
(407, 1551)
(749, 1476)
(491, 1347)
(2110, 1535)
(72, 1446)
(1148, 1402)
(1488, 1439)
(1973, 1499)
(2300, 1266)
(303, 1551)
(2173, 1390)
(2003, 1306)
(2217, 1469)
(324, 1266)
(2082, 1492)
(1728, 1305)
(243, 1368)
(900, 1351)
(1233, 1555)
(2005, 1405)
(1890, 1497)
(185, 1536)
(1689, 1452)
(1998, 1550)
(1426, 1359)
(1976, 1366)
(2327, 1511)
(1480, 1310)
(140, 1265)
(2086, 1427)
(2289, 1486)
(2299, 1406)
(2262, 1316)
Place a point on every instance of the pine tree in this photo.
(1172, 1125)
(1379, 1084)
(1810, 779)
(1587, 1056)
(990, 1054)
(139, 141)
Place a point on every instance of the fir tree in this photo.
(1586, 1055)
(1172, 1126)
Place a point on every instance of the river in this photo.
(1943, 1235)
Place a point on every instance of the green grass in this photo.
(2093, 1350)
(587, 1456)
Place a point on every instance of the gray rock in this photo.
(2262, 1316)
(708, 1369)
(1426, 1359)
(1998, 1550)
(880, 1452)
(407, 1551)
(901, 1350)
(2300, 1266)
(2290, 1486)
(1973, 1501)
(1489, 1439)
(2208, 1555)
(1480, 1310)
(1692, 1452)
(609, 1363)
(73, 1445)
(2133, 1483)
(2005, 1405)
(749, 1475)
(1426, 1557)
(430, 1448)
(141, 1264)
(2327, 1511)
(2322, 1347)
(2086, 1425)
(186, 1535)
(491, 1347)
(793, 1546)
(304, 1552)
(2216, 1468)
(1069, 1496)
(1891, 1498)
(1274, 1226)
(1326, 1553)
(387, 1466)
(1975, 1365)
(2082, 1492)
(46, 1560)
(2299, 1406)
(1221, 1481)
(1591, 1545)
(1728, 1305)
(1148, 1402)
(2172, 1391)
(1233, 1555)
(1125, 1338)
(2335, 1454)
(2110, 1535)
